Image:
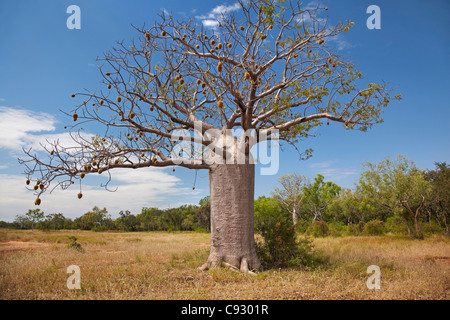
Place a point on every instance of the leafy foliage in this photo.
(270, 66)
(74, 244)
(279, 246)
(318, 229)
(374, 228)
(319, 195)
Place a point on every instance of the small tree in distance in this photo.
(268, 69)
(318, 195)
(34, 216)
(291, 194)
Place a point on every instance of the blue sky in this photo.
(42, 63)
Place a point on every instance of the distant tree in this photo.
(204, 201)
(174, 218)
(23, 221)
(203, 214)
(97, 218)
(397, 186)
(351, 207)
(8, 225)
(69, 224)
(291, 194)
(35, 216)
(181, 218)
(439, 201)
(269, 210)
(151, 218)
(56, 220)
(345, 207)
(127, 221)
(318, 195)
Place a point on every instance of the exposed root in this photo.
(243, 266)
(204, 267)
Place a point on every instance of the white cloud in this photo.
(22, 128)
(210, 23)
(65, 139)
(311, 5)
(211, 19)
(332, 172)
(341, 43)
(304, 18)
(146, 187)
(2, 99)
(223, 9)
(16, 125)
(136, 188)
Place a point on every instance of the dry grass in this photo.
(160, 265)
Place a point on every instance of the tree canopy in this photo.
(268, 69)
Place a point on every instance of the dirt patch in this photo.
(15, 246)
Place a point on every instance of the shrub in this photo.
(431, 227)
(278, 246)
(318, 229)
(396, 226)
(286, 251)
(302, 225)
(355, 229)
(374, 228)
(74, 244)
(337, 228)
(99, 228)
(306, 256)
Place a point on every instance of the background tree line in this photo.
(392, 196)
(183, 218)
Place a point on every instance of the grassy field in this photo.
(162, 265)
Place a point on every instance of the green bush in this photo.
(318, 229)
(99, 228)
(396, 226)
(337, 228)
(374, 228)
(278, 246)
(306, 256)
(431, 227)
(355, 229)
(302, 225)
(74, 244)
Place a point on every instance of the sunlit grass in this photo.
(163, 265)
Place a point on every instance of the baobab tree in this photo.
(267, 69)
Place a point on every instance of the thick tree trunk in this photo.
(232, 200)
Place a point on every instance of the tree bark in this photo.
(415, 215)
(294, 216)
(406, 223)
(232, 231)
